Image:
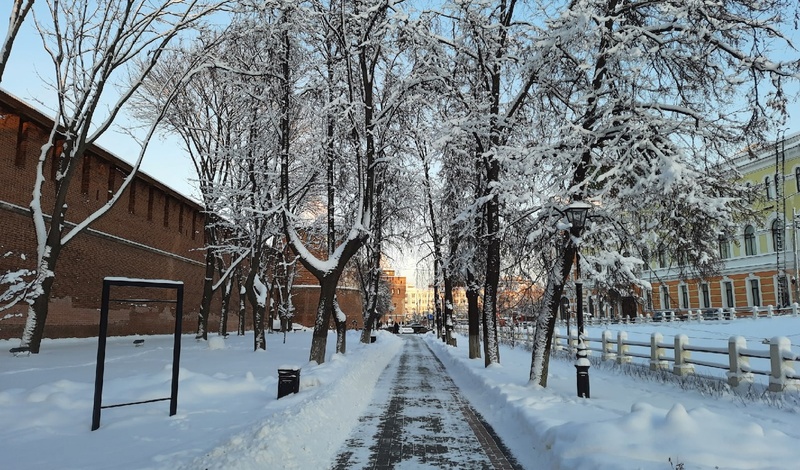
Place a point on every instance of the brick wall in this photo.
(152, 232)
(125, 242)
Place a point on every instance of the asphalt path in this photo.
(417, 418)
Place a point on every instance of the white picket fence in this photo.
(740, 362)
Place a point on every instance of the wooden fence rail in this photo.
(777, 362)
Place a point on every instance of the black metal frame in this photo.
(101, 342)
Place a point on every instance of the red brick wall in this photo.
(136, 238)
(122, 243)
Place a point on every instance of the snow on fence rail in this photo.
(775, 363)
(698, 315)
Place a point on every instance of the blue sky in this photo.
(166, 161)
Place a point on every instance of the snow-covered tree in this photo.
(358, 82)
(489, 85)
(644, 103)
(207, 115)
(92, 44)
(19, 10)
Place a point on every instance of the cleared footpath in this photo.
(418, 419)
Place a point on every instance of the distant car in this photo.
(713, 314)
(419, 329)
(406, 329)
(664, 315)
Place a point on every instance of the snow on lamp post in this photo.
(576, 215)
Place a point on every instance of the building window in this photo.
(55, 157)
(112, 181)
(132, 198)
(705, 294)
(682, 258)
(180, 219)
(777, 234)
(797, 178)
(194, 224)
(767, 188)
(749, 241)
(684, 296)
(662, 263)
(728, 286)
(150, 197)
(23, 132)
(783, 291)
(724, 247)
(755, 292)
(166, 210)
(664, 290)
(86, 174)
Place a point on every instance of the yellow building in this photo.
(419, 302)
(760, 262)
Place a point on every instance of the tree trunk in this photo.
(448, 306)
(208, 294)
(226, 302)
(242, 309)
(491, 345)
(372, 303)
(546, 320)
(259, 342)
(319, 339)
(39, 305)
(37, 314)
(341, 327)
(473, 316)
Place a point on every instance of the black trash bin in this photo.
(288, 381)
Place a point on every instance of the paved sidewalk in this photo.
(418, 419)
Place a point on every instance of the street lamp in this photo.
(576, 215)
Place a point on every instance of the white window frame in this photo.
(684, 301)
(724, 292)
(747, 246)
(751, 302)
(663, 294)
(704, 294)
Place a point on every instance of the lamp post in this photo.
(576, 215)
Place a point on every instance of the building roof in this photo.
(24, 109)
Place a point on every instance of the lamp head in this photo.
(576, 214)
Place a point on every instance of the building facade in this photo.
(760, 261)
(152, 232)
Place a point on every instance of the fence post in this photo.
(656, 352)
(755, 312)
(622, 348)
(586, 348)
(556, 346)
(780, 347)
(770, 311)
(608, 347)
(682, 366)
(739, 371)
(794, 309)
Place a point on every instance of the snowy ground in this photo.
(229, 417)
